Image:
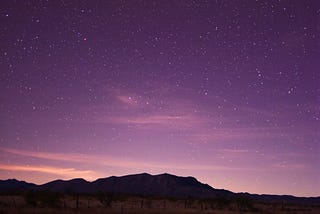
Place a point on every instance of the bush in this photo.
(42, 198)
(105, 199)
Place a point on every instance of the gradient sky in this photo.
(225, 91)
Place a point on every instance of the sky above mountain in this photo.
(225, 91)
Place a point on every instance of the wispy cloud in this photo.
(180, 121)
(236, 133)
(289, 166)
(73, 157)
(256, 111)
(117, 162)
(128, 100)
(64, 172)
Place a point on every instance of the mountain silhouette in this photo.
(163, 185)
(139, 184)
(15, 186)
(159, 185)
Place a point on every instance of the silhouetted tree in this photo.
(77, 201)
(43, 198)
(244, 203)
(106, 199)
(188, 202)
(222, 202)
(30, 198)
(149, 203)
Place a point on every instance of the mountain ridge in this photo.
(143, 184)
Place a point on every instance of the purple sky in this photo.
(225, 91)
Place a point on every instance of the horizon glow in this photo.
(227, 92)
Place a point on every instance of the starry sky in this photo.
(225, 91)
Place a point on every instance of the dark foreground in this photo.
(48, 202)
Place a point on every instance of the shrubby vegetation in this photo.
(42, 199)
(51, 202)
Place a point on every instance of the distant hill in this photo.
(163, 185)
(158, 185)
(15, 186)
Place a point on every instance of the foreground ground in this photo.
(53, 203)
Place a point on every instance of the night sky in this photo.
(224, 91)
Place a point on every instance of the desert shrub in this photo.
(218, 203)
(188, 202)
(245, 204)
(30, 198)
(148, 203)
(49, 199)
(42, 198)
(222, 202)
(106, 199)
